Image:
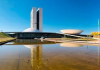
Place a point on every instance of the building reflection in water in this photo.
(36, 50)
(36, 56)
(62, 59)
(71, 44)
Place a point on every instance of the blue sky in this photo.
(57, 14)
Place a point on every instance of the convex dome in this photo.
(31, 30)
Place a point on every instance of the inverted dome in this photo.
(31, 30)
(71, 31)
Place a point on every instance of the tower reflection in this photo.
(36, 56)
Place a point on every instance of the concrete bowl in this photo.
(71, 31)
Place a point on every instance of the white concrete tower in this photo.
(34, 18)
(39, 19)
(36, 21)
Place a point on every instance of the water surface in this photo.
(37, 55)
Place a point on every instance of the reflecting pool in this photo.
(45, 55)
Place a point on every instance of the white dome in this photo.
(31, 30)
(71, 31)
(31, 46)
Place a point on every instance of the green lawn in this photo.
(5, 37)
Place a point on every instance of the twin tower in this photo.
(36, 19)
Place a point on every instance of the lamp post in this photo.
(98, 30)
